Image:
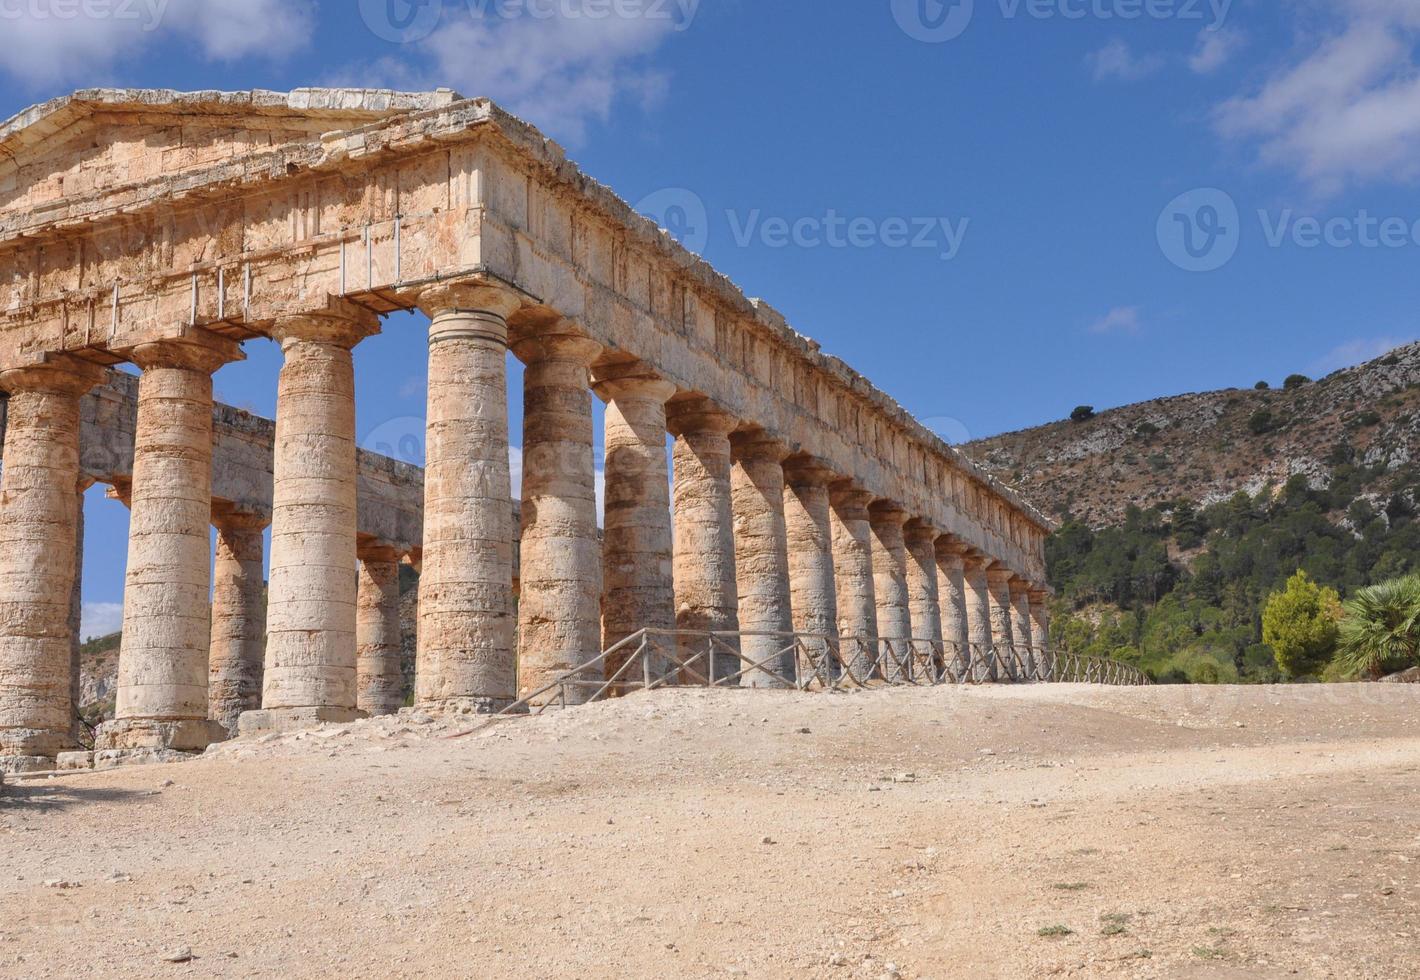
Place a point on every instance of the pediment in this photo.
(102, 140)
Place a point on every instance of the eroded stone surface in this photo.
(167, 625)
(637, 552)
(466, 657)
(890, 587)
(238, 650)
(813, 590)
(762, 561)
(706, 593)
(379, 677)
(559, 599)
(310, 616)
(38, 528)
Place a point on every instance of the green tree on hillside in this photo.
(1381, 630)
(1300, 625)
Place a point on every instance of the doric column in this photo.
(637, 553)
(161, 693)
(951, 580)
(379, 681)
(890, 586)
(706, 594)
(309, 676)
(853, 577)
(998, 587)
(1020, 627)
(813, 597)
(923, 599)
(76, 607)
(238, 651)
(978, 615)
(465, 658)
(37, 546)
(1040, 632)
(560, 573)
(762, 558)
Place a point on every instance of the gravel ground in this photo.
(1012, 832)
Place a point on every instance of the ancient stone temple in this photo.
(163, 230)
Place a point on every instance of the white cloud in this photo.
(100, 619)
(1358, 351)
(49, 44)
(1215, 48)
(1116, 60)
(559, 72)
(1348, 108)
(231, 29)
(1121, 319)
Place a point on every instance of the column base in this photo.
(73, 761)
(114, 758)
(191, 735)
(465, 706)
(18, 765)
(32, 749)
(267, 720)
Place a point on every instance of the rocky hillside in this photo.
(1207, 447)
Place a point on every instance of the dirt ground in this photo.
(1012, 832)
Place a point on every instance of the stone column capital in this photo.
(122, 491)
(757, 446)
(558, 342)
(949, 547)
(919, 534)
(801, 470)
(340, 324)
(698, 415)
(201, 350)
(886, 513)
(58, 374)
(377, 550)
(227, 516)
(1020, 587)
(631, 380)
(485, 296)
(999, 575)
(1038, 596)
(850, 500)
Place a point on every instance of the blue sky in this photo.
(991, 208)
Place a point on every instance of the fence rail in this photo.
(651, 659)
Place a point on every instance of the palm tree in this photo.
(1382, 625)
